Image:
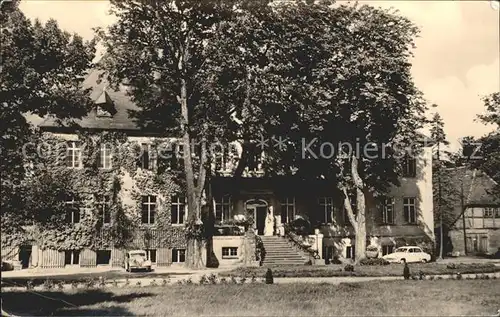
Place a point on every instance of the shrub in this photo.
(102, 281)
(300, 227)
(243, 280)
(29, 285)
(254, 279)
(269, 277)
(349, 268)
(421, 275)
(203, 279)
(48, 284)
(163, 282)
(60, 285)
(223, 280)
(90, 283)
(127, 282)
(138, 283)
(459, 276)
(234, 280)
(74, 284)
(371, 252)
(212, 279)
(189, 281)
(335, 260)
(374, 261)
(451, 266)
(153, 283)
(260, 251)
(115, 283)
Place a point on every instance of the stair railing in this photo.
(296, 240)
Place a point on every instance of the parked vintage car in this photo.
(409, 254)
(137, 260)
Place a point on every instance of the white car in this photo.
(409, 254)
(137, 260)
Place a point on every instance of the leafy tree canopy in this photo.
(42, 67)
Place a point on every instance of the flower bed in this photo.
(364, 270)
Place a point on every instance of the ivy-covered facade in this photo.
(120, 193)
(119, 198)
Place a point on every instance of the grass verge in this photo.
(397, 298)
(82, 277)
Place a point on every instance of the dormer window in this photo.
(104, 105)
(101, 112)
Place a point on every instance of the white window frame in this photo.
(149, 202)
(74, 151)
(490, 212)
(178, 251)
(148, 254)
(324, 203)
(388, 202)
(178, 203)
(72, 257)
(104, 203)
(408, 203)
(408, 163)
(387, 249)
(147, 148)
(232, 252)
(72, 202)
(222, 159)
(221, 202)
(350, 252)
(288, 202)
(258, 161)
(105, 157)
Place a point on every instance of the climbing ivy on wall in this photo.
(124, 183)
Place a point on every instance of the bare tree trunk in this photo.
(358, 221)
(441, 231)
(361, 228)
(195, 245)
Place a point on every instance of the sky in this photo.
(456, 60)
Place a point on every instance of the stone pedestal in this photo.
(319, 261)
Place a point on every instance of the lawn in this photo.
(385, 270)
(410, 298)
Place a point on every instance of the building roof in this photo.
(478, 188)
(116, 102)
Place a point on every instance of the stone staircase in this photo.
(279, 251)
